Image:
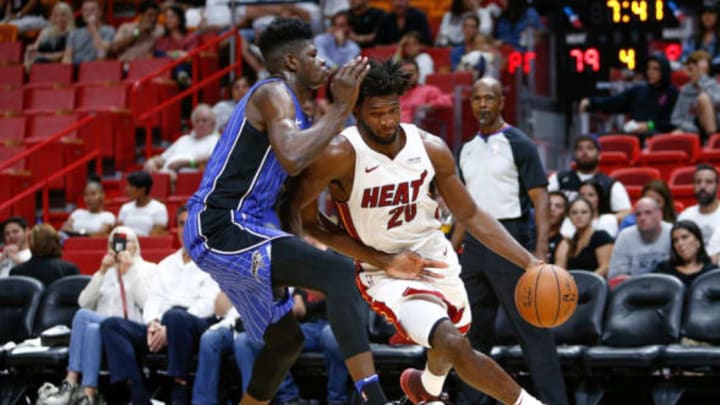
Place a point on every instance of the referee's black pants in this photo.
(490, 281)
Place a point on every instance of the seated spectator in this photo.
(557, 208)
(403, 19)
(136, 40)
(706, 213)
(144, 214)
(649, 105)
(190, 151)
(516, 24)
(589, 248)
(364, 22)
(223, 109)
(26, 15)
(713, 248)
(659, 191)
(587, 159)
(695, 107)
(707, 36)
(452, 25)
(92, 220)
(470, 24)
(51, 42)
(688, 258)
(45, 264)
(92, 40)
(176, 41)
(16, 248)
(419, 97)
(482, 58)
(410, 47)
(101, 298)
(592, 191)
(335, 45)
(639, 248)
(178, 310)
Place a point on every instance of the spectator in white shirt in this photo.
(179, 309)
(118, 288)
(224, 108)
(92, 220)
(706, 213)
(16, 247)
(713, 248)
(145, 215)
(191, 150)
(602, 220)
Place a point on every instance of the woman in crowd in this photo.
(119, 288)
(176, 42)
(450, 32)
(707, 36)
(50, 43)
(688, 258)
(45, 263)
(659, 191)
(143, 214)
(411, 46)
(589, 249)
(92, 220)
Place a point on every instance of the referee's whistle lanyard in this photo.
(499, 131)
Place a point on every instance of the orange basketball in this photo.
(546, 296)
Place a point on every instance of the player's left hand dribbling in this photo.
(411, 266)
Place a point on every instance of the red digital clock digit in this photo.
(587, 59)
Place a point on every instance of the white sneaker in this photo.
(67, 394)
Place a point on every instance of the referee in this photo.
(502, 171)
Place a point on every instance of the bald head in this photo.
(488, 83)
(649, 218)
(487, 102)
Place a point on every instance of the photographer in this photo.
(118, 288)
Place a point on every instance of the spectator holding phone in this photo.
(119, 288)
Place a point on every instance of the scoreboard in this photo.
(599, 35)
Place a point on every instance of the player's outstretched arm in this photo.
(335, 165)
(479, 223)
(271, 109)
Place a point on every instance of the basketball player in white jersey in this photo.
(379, 174)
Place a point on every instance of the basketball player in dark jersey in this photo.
(233, 231)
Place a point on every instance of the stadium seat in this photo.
(627, 144)
(447, 82)
(13, 183)
(12, 76)
(50, 74)
(668, 151)
(441, 58)
(11, 101)
(634, 178)
(100, 71)
(187, 183)
(49, 100)
(156, 242)
(8, 151)
(152, 93)
(711, 152)
(88, 261)
(10, 52)
(379, 52)
(157, 255)
(643, 314)
(12, 130)
(581, 331)
(101, 98)
(19, 302)
(85, 243)
(681, 185)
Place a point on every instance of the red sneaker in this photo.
(412, 387)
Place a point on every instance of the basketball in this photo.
(546, 296)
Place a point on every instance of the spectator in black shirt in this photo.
(364, 22)
(688, 258)
(45, 263)
(402, 20)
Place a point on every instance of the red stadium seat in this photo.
(12, 184)
(441, 58)
(629, 145)
(51, 74)
(8, 151)
(12, 130)
(11, 101)
(10, 52)
(156, 255)
(379, 52)
(156, 242)
(88, 261)
(668, 151)
(634, 178)
(187, 183)
(101, 98)
(101, 71)
(447, 82)
(711, 152)
(153, 93)
(49, 100)
(681, 185)
(81, 244)
(12, 76)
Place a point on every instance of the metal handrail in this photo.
(45, 184)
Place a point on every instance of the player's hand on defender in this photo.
(411, 266)
(345, 84)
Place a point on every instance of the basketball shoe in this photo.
(411, 385)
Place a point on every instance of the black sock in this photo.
(374, 393)
(180, 394)
(138, 394)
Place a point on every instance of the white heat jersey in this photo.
(390, 207)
